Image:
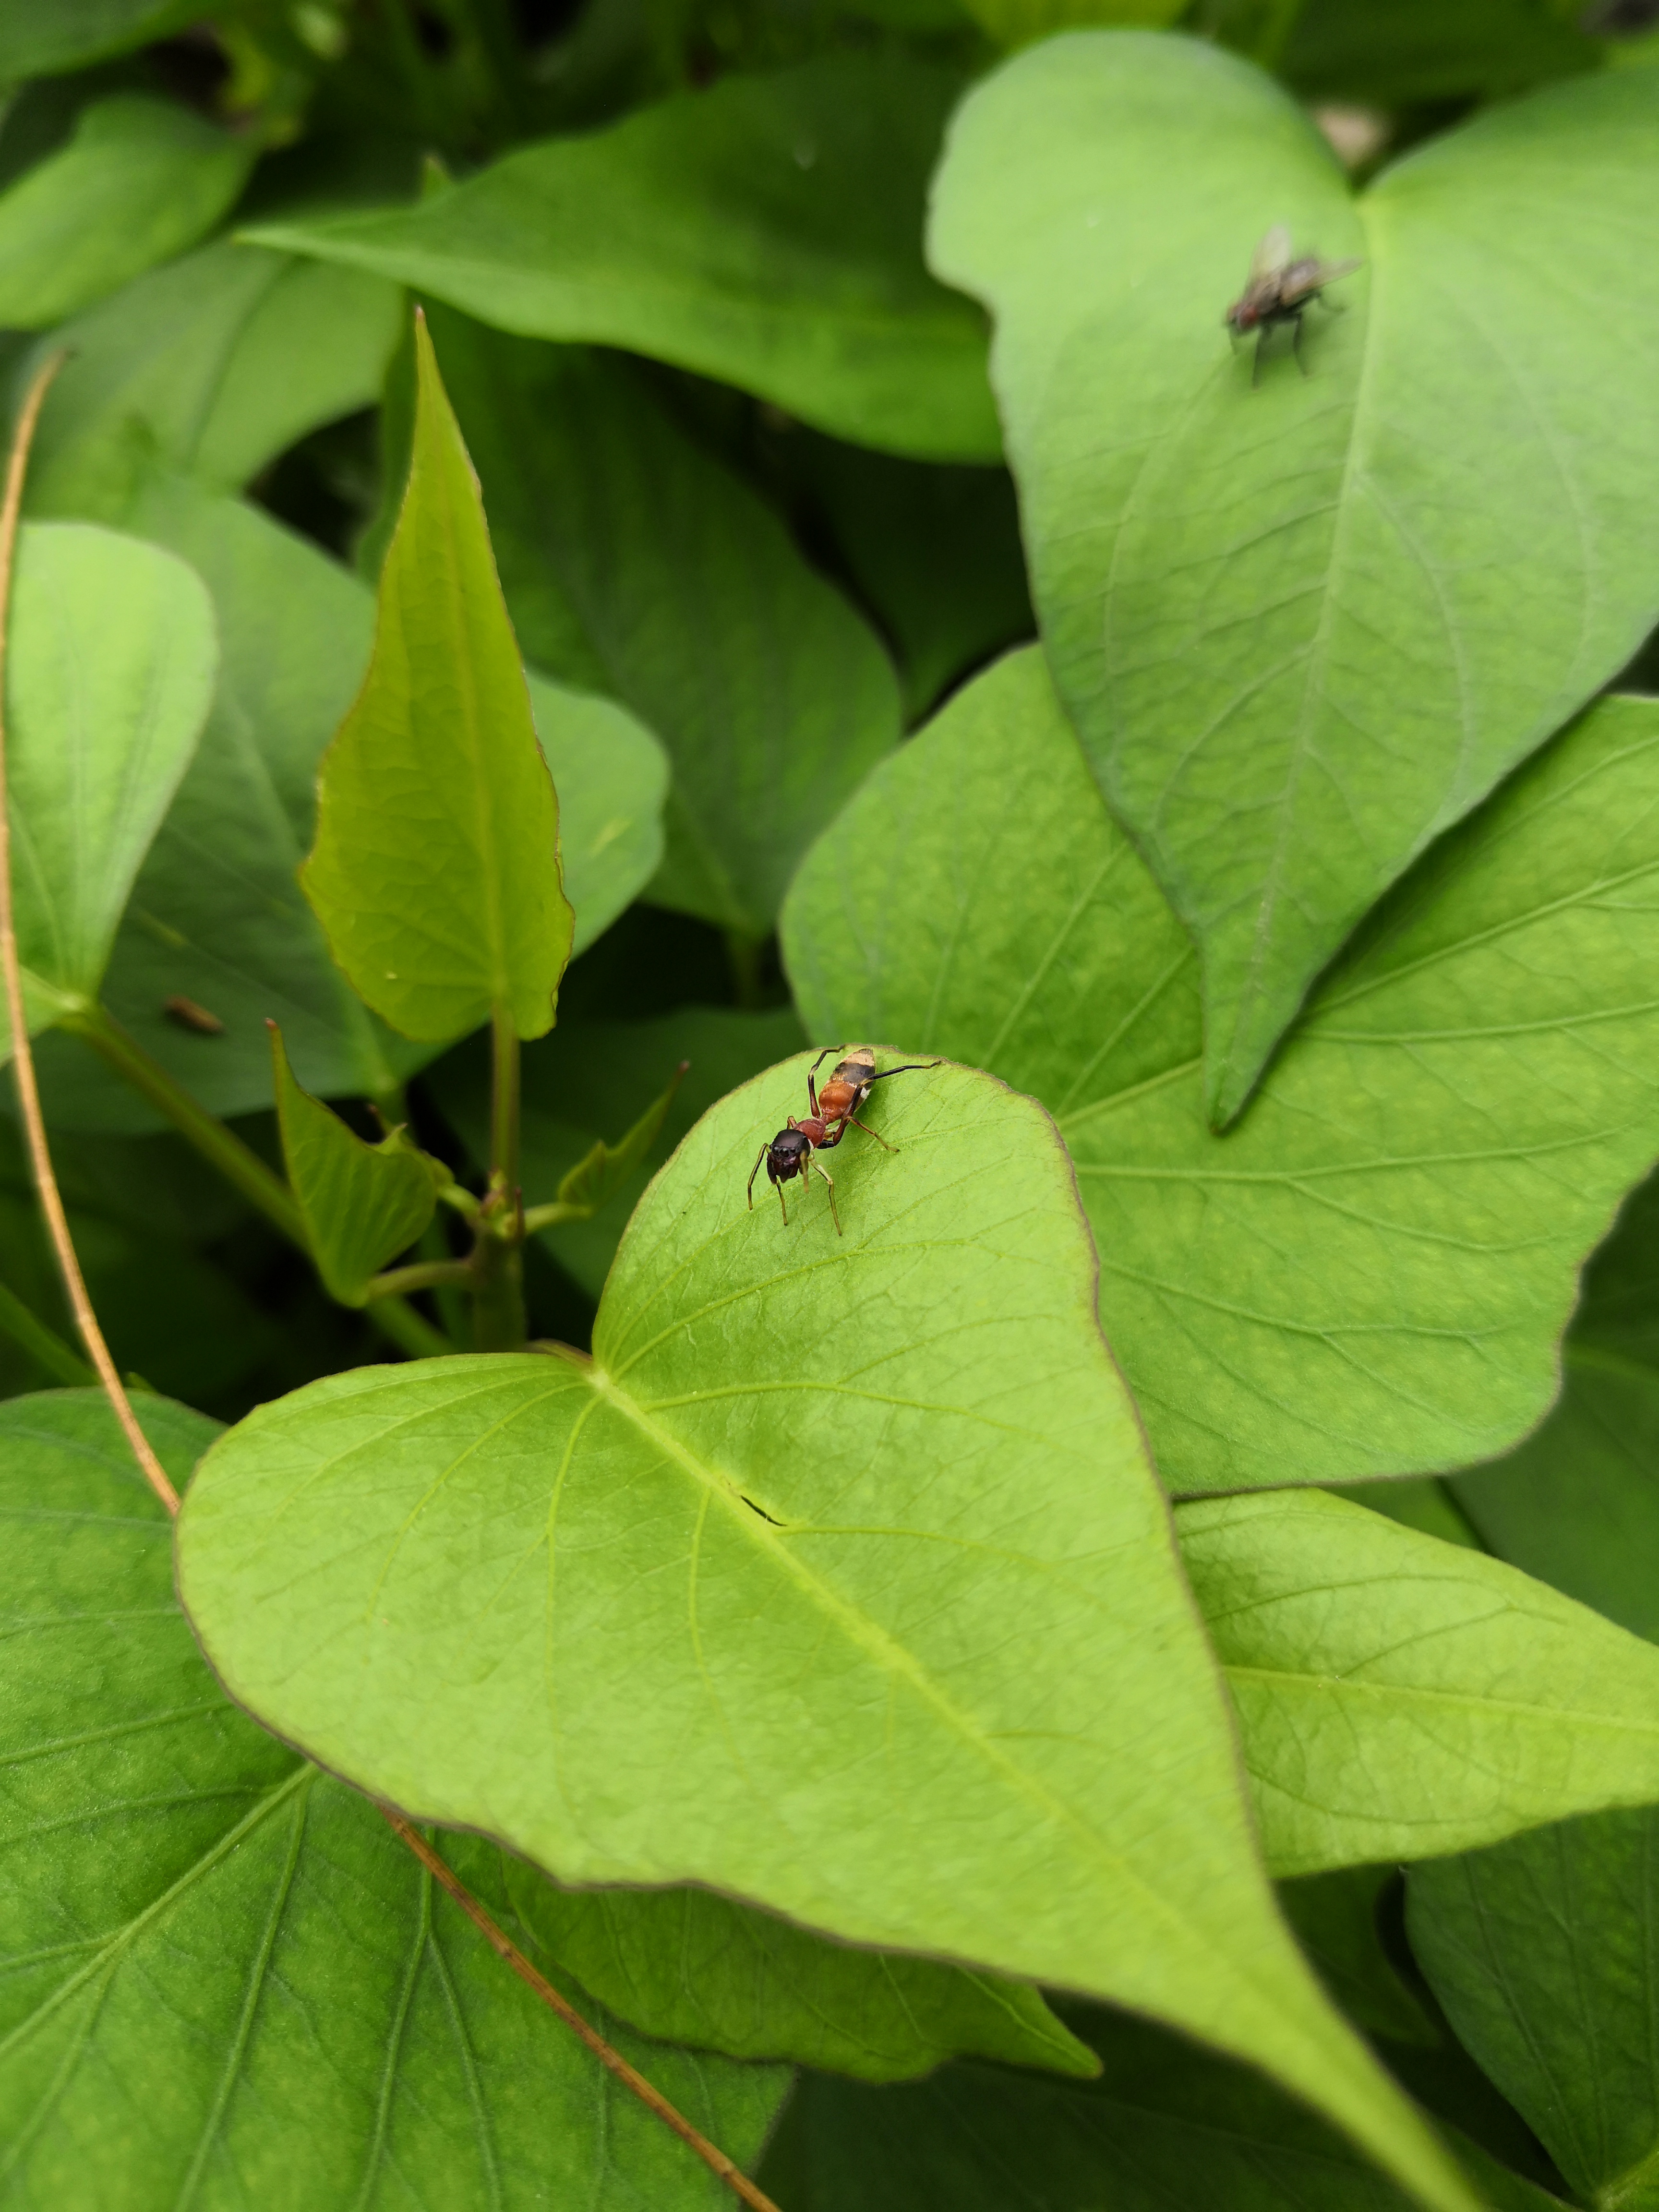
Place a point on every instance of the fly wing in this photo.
(1272, 256)
(1330, 271)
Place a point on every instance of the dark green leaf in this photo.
(767, 232)
(605, 1168)
(696, 1968)
(1370, 1275)
(1542, 1952)
(40, 37)
(1167, 2126)
(590, 1076)
(1576, 1503)
(1304, 627)
(211, 367)
(895, 1639)
(636, 563)
(1018, 23)
(436, 872)
(1399, 1697)
(140, 180)
(109, 674)
(1431, 49)
(1335, 1919)
(362, 1204)
(225, 1981)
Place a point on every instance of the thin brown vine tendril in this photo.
(710, 2154)
(22, 1055)
(51, 1205)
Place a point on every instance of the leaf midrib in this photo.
(1337, 1686)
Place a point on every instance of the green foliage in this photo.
(203, 1934)
(1093, 1644)
(767, 232)
(1542, 1952)
(436, 872)
(771, 1588)
(362, 1204)
(108, 679)
(1293, 654)
(1375, 1266)
(1449, 1700)
(138, 182)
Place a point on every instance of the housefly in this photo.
(1280, 290)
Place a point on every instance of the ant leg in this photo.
(831, 1180)
(869, 1131)
(782, 1208)
(753, 1172)
(812, 1089)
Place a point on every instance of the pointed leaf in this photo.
(766, 231)
(1399, 1697)
(1542, 1952)
(217, 916)
(895, 1639)
(605, 1168)
(212, 366)
(109, 674)
(435, 870)
(1304, 624)
(634, 563)
(1371, 1273)
(362, 1204)
(225, 1980)
(1166, 2125)
(139, 181)
(693, 1967)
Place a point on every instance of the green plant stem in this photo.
(744, 955)
(411, 1332)
(241, 1166)
(555, 1211)
(420, 1275)
(498, 1313)
(43, 1345)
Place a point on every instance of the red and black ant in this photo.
(791, 1152)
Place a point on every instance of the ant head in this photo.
(786, 1155)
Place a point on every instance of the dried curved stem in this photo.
(22, 1055)
(52, 1206)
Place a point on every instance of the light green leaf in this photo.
(225, 1981)
(896, 1641)
(362, 1204)
(590, 1076)
(39, 38)
(217, 916)
(1542, 1952)
(1576, 1503)
(696, 1968)
(1166, 2126)
(1400, 1698)
(766, 231)
(634, 563)
(211, 367)
(1371, 1273)
(1305, 627)
(139, 181)
(436, 872)
(109, 674)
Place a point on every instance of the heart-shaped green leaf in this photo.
(109, 674)
(767, 231)
(211, 367)
(635, 562)
(894, 1640)
(139, 181)
(362, 1204)
(1542, 1952)
(1446, 1701)
(436, 872)
(222, 1979)
(696, 1968)
(1303, 624)
(1370, 1275)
